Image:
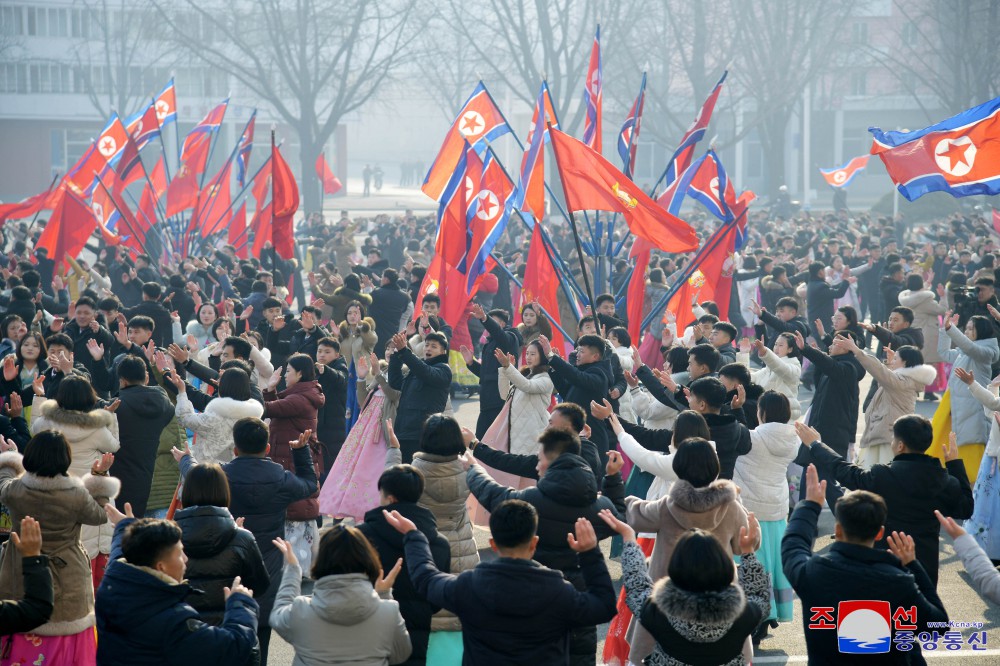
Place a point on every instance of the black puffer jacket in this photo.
(387, 308)
(732, 440)
(580, 384)
(424, 391)
(142, 415)
(819, 299)
(414, 608)
(217, 552)
(509, 341)
(834, 410)
(331, 423)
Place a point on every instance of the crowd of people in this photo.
(182, 451)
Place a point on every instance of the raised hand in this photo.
(179, 454)
(10, 367)
(393, 442)
(178, 354)
(585, 538)
(302, 441)
(237, 588)
(950, 320)
(14, 407)
(121, 334)
(477, 311)
(965, 375)
(38, 385)
(362, 367)
(951, 451)
(7, 445)
(630, 379)
(601, 410)
(666, 380)
(103, 464)
(755, 308)
(286, 549)
(745, 346)
(800, 341)
(275, 379)
(901, 545)
(398, 522)
(385, 582)
(806, 434)
(740, 398)
(619, 526)
(759, 347)
(953, 529)
(113, 406)
(636, 359)
(615, 463)
(178, 383)
(815, 489)
(994, 312)
(399, 341)
(820, 329)
(95, 350)
(57, 324)
(750, 537)
(501, 357)
(546, 345)
(29, 541)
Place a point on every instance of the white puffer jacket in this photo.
(760, 474)
(778, 374)
(654, 414)
(529, 412)
(90, 434)
(660, 465)
(214, 428)
(625, 408)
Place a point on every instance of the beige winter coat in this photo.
(359, 342)
(896, 396)
(61, 505)
(89, 434)
(529, 411)
(926, 311)
(445, 494)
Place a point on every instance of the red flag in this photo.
(331, 184)
(129, 169)
(590, 182)
(996, 221)
(237, 228)
(145, 128)
(183, 190)
(262, 184)
(478, 121)
(284, 203)
(451, 242)
(531, 195)
(712, 278)
(80, 177)
(637, 286)
(592, 96)
(541, 283)
(22, 209)
(214, 204)
(445, 281)
(262, 229)
(68, 229)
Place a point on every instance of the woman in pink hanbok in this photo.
(351, 489)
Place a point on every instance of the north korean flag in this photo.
(143, 127)
(960, 155)
(842, 176)
(489, 213)
(166, 105)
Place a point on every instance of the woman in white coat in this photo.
(781, 370)
(621, 342)
(760, 475)
(532, 396)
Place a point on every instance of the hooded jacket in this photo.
(344, 621)
(732, 439)
(506, 339)
(714, 508)
(491, 614)
(214, 426)
(781, 374)
(218, 551)
(529, 409)
(415, 609)
(90, 434)
(760, 474)
(580, 384)
(976, 356)
(834, 410)
(292, 412)
(926, 311)
(691, 627)
(61, 504)
(142, 415)
(359, 342)
(389, 304)
(144, 620)
(331, 421)
(896, 396)
(424, 391)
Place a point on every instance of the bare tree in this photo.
(444, 60)
(924, 56)
(784, 45)
(115, 60)
(313, 61)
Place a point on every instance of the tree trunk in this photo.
(311, 188)
(772, 142)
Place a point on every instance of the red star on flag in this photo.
(956, 154)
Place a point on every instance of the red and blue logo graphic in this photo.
(863, 627)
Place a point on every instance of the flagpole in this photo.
(177, 124)
(152, 224)
(213, 141)
(163, 146)
(688, 271)
(545, 312)
(247, 186)
(124, 217)
(628, 171)
(274, 250)
(34, 219)
(576, 235)
(545, 237)
(218, 176)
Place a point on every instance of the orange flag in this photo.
(284, 203)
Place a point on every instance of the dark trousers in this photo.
(486, 419)
(264, 639)
(834, 491)
(408, 447)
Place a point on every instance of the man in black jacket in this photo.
(788, 320)
(853, 569)
(144, 411)
(305, 339)
(152, 308)
(277, 329)
(583, 383)
(331, 423)
(261, 492)
(820, 296)
(424, 391)
(834, 409)
(913, 485)
(500, 336)
(499, 625)
(389, 307)
(400, 488)
(703, 361)
(82, 329)
(898, 331)
(566, 492)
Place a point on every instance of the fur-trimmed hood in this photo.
(919, 375)
(914, 299)
(711, 608)
(228, 408)
(367, 324)
(73, 424)
(710, 502)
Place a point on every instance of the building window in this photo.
(859, 83)
(860, 33)
(910, 33)
(12, 20)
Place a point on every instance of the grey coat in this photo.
(967, 417)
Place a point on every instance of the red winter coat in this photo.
(292, 412)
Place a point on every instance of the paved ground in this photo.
(787, 643)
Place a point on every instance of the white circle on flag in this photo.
(138, 127)
(471, 124)
(595, 82)
(714, 185)
(839, 176)
(107, 146)
(470, 189)
(955, 156)
(162, 110)
(489, 206)
(98, 212)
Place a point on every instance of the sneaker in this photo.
(930, 397)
